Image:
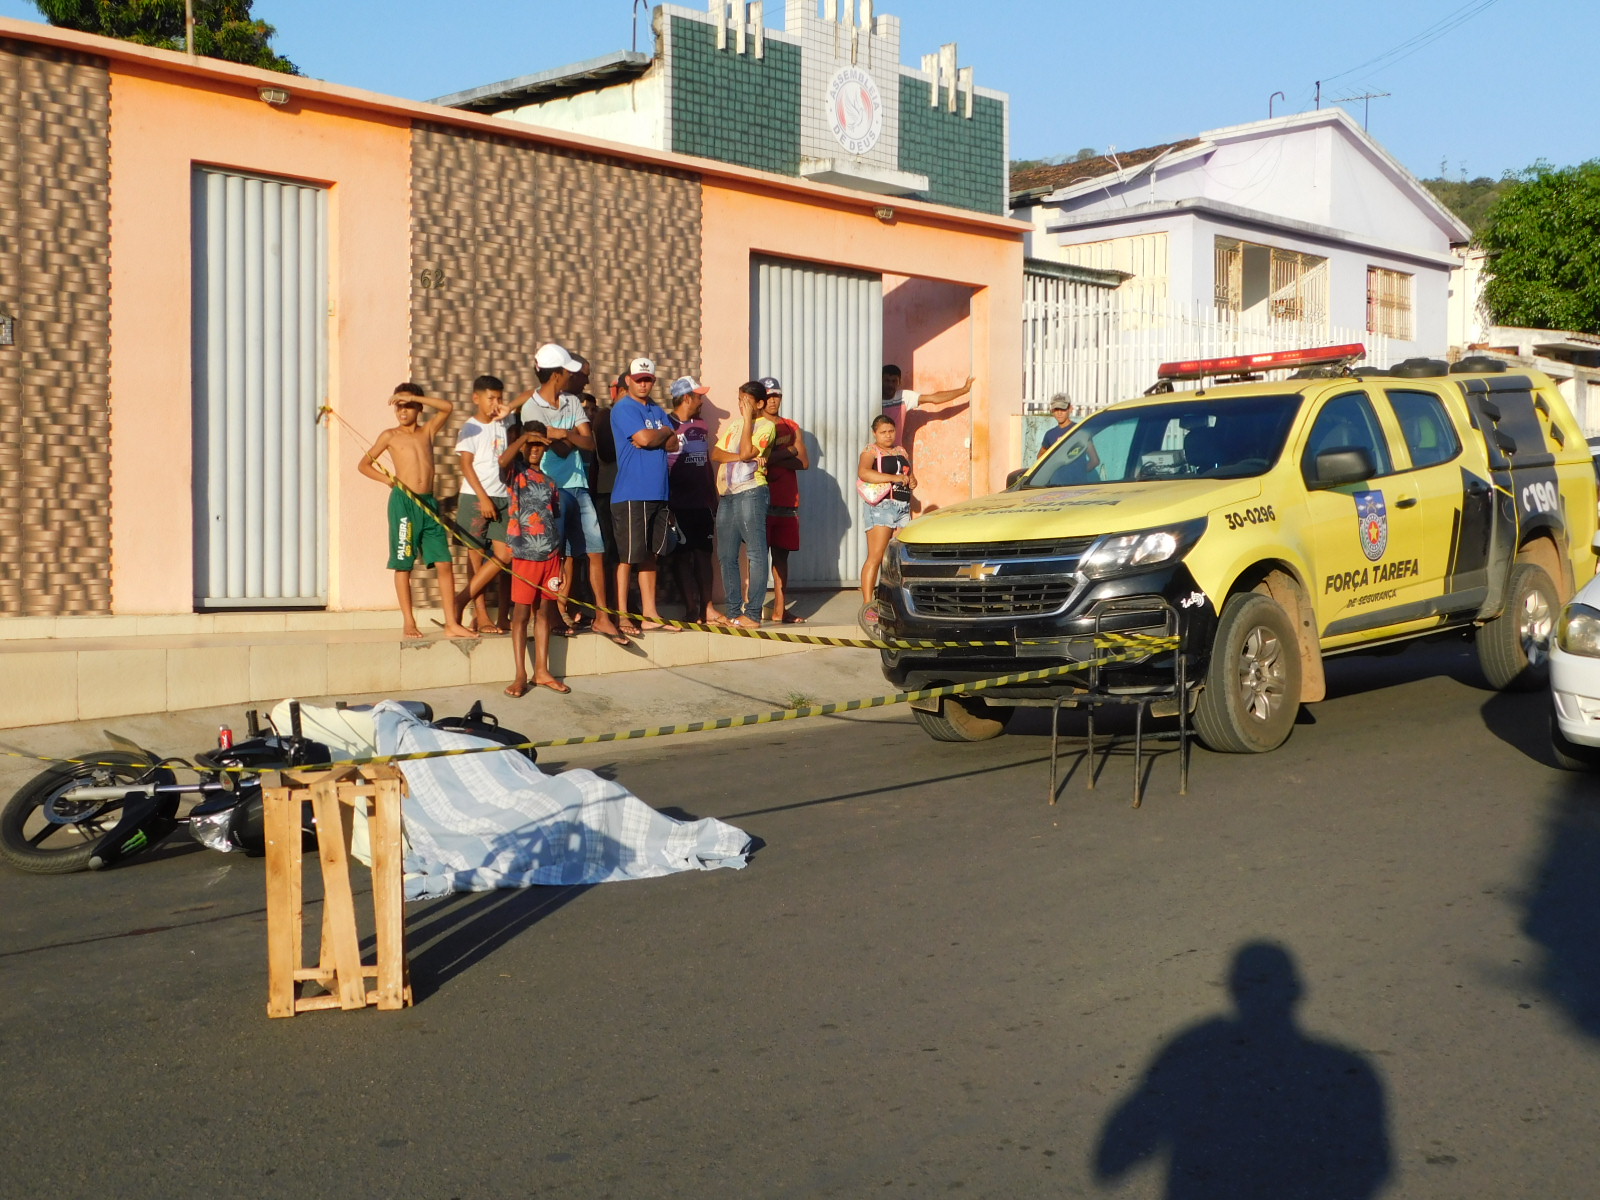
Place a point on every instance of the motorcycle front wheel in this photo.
(43, 832)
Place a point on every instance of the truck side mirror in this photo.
(1011, 479)
(1341, 464)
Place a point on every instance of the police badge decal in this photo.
(1372, 520)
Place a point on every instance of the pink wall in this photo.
(928, 334)
(985, 261)
(162, 123)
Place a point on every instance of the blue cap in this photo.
(771, 384)
(685, 384)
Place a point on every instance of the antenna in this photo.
(636, 4)
(1366, 99)
(1271, 98)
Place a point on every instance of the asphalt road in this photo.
(1366, 964)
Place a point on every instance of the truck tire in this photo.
(1251, 696)
(1514, 648)
(964, 721)
(1570, 756)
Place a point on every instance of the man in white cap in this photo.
(561, 413)
(643, 436)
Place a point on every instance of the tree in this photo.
(1543, 244)
(222, 28)
(1469, 199)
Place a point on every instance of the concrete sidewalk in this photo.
(94, 668)
(598, 704)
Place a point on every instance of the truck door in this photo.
(1367, 545)
(1454, 499)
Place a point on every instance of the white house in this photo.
(1288, 231)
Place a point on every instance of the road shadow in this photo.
(1561, 904)
(1247, 1105)
(454, 934)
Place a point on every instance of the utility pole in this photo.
(1319, 95)
(1366, 99)
(188, 26)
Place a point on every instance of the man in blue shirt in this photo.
(1061, 410)
(643, 436)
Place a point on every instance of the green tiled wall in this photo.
(735, 108)
(963, 159)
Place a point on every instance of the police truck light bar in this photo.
(1239, 364)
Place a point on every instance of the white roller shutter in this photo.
(820, 331)
(260, 357)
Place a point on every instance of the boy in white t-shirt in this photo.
(898, 401)
(481, 508)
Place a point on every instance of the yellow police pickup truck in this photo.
(1271, 525)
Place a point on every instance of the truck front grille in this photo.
(991, 599)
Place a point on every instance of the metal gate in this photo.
(820, 331)
(260, 369)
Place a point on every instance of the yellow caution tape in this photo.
(767, 718)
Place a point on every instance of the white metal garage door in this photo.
(820, 331)
(260, 358)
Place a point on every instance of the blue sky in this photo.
(1504, 84)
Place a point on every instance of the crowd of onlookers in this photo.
(569, 503)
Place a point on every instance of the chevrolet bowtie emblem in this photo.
(978, 571)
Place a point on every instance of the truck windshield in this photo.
(1225, 438)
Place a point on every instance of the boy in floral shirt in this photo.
(533, 531)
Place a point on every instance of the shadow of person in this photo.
(1249, 1106)
(1561, 905)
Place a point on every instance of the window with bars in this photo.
(1269, 283)
(1389, 303)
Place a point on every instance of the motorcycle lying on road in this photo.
(117, 803)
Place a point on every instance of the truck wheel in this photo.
(1252, 686)
(1514, 648)
(963, 721)
(1570, 756)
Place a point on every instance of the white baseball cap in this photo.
(642, 366)
(550, 356)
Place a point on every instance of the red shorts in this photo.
(530, 577)
(783, 532)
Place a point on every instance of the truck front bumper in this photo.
(1163, 601)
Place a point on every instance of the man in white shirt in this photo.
(898, 401)
(481, 509)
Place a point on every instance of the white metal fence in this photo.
(1101, 345)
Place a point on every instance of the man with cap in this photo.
(554, 405)
(1061, 410)
(692, 496)
(643, 436)
(789, 454)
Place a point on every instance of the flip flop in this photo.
(555, 685)
(659, 627)
(627, 631)
(515, 692)
(566, 631)
(791, 619)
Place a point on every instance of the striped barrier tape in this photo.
(801, 712)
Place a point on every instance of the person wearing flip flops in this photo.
(789, 455)
(534, 533)
(885, 481)
(743, 445)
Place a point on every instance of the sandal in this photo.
(516, 691)
(555, 685)
(791, 619)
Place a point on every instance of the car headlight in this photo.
(1578, 630)
(1123, 553)
(889, 572)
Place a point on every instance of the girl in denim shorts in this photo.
(882, 465)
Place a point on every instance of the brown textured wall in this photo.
(55, 551)
(515, 244)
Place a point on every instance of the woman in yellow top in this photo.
(743, 445)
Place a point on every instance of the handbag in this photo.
(874, 493)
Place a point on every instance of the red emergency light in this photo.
(1240, 364)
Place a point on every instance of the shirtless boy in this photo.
(414, 529)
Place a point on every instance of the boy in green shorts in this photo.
(414, 529)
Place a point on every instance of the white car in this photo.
(1575, 681)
